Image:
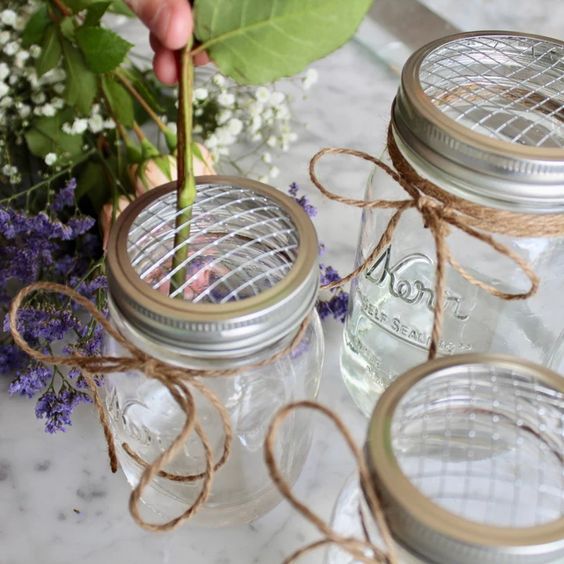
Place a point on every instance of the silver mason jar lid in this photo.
(467, 454)
(484, 113)
(252, 278)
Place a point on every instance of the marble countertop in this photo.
(59, 503)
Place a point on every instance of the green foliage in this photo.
(258, 41)
(35, 28)
(81, 83)
(50, 52)
(119, 101)
(103, 49)
(95, 12)
(46, 136)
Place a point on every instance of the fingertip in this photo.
(179, 27)
(165, 66)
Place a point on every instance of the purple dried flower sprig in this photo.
(57, 245)
(337, 305)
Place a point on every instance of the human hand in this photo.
(170, 23)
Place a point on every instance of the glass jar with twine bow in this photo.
(190, 383)
(462, 463)
(462, 239)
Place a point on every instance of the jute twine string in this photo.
(178, 381)
(361, 550)
(442, 211)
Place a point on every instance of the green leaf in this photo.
(258, 41)
(103, 49)
(67, 28)
(92, 183)
(50, 52)
(119, 100)
(120, 7)
(46, 136)
(35, 28)
(95, 12)
(81, 83)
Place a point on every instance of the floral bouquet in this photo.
(85, 132)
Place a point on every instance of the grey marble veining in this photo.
(60, 504)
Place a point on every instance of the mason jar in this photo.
(480, 115)
(466, 454)
(251, 285)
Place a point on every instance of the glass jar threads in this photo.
(479, 117)
(251, 284)
(466, 453)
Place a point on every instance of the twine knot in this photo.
(180, 383)
(441, 212)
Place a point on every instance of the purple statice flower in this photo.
(45, 324)
(327, 274)
(11, 357)
(31, 380)
(64, 198)
(307, 206)
(56, 409)
(336, 306)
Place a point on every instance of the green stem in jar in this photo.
(186, 190)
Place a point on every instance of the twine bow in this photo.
(442, 211)
(178, 381)
(360, 550)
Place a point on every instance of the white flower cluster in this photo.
(23, 94)
(96, 122)
(227, 114)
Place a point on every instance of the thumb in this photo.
(169, 20)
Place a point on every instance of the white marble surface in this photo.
(58, 501)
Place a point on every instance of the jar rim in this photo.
(414, 516)
(495, 168)
(208, 328)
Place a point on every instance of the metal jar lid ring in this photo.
(252, 268)
(467, 453)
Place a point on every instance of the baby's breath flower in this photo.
(8, 18)
(266, 157)
(277, 98)
(35, 51)
(218, 80)
(11, 48)
(262, 94)
(310, 78)
(50, 159)
(235, 126)
(224, 116)
(4, 37)
(274, 172)
(4, 89)
(226, 99)
(200, 93)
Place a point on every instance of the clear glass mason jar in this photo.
(465, 453)
(480, 116)
(252, 281)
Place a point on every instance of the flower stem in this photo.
(65, 10)
(142, 102)
(186, 191)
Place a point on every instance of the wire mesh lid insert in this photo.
(251, 267)
(474, 471)
(491, 103)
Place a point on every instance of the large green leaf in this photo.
(35, 28)
(119, 100)
(81, 88)
(103, 49)
(257, 41)
(50, 52)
